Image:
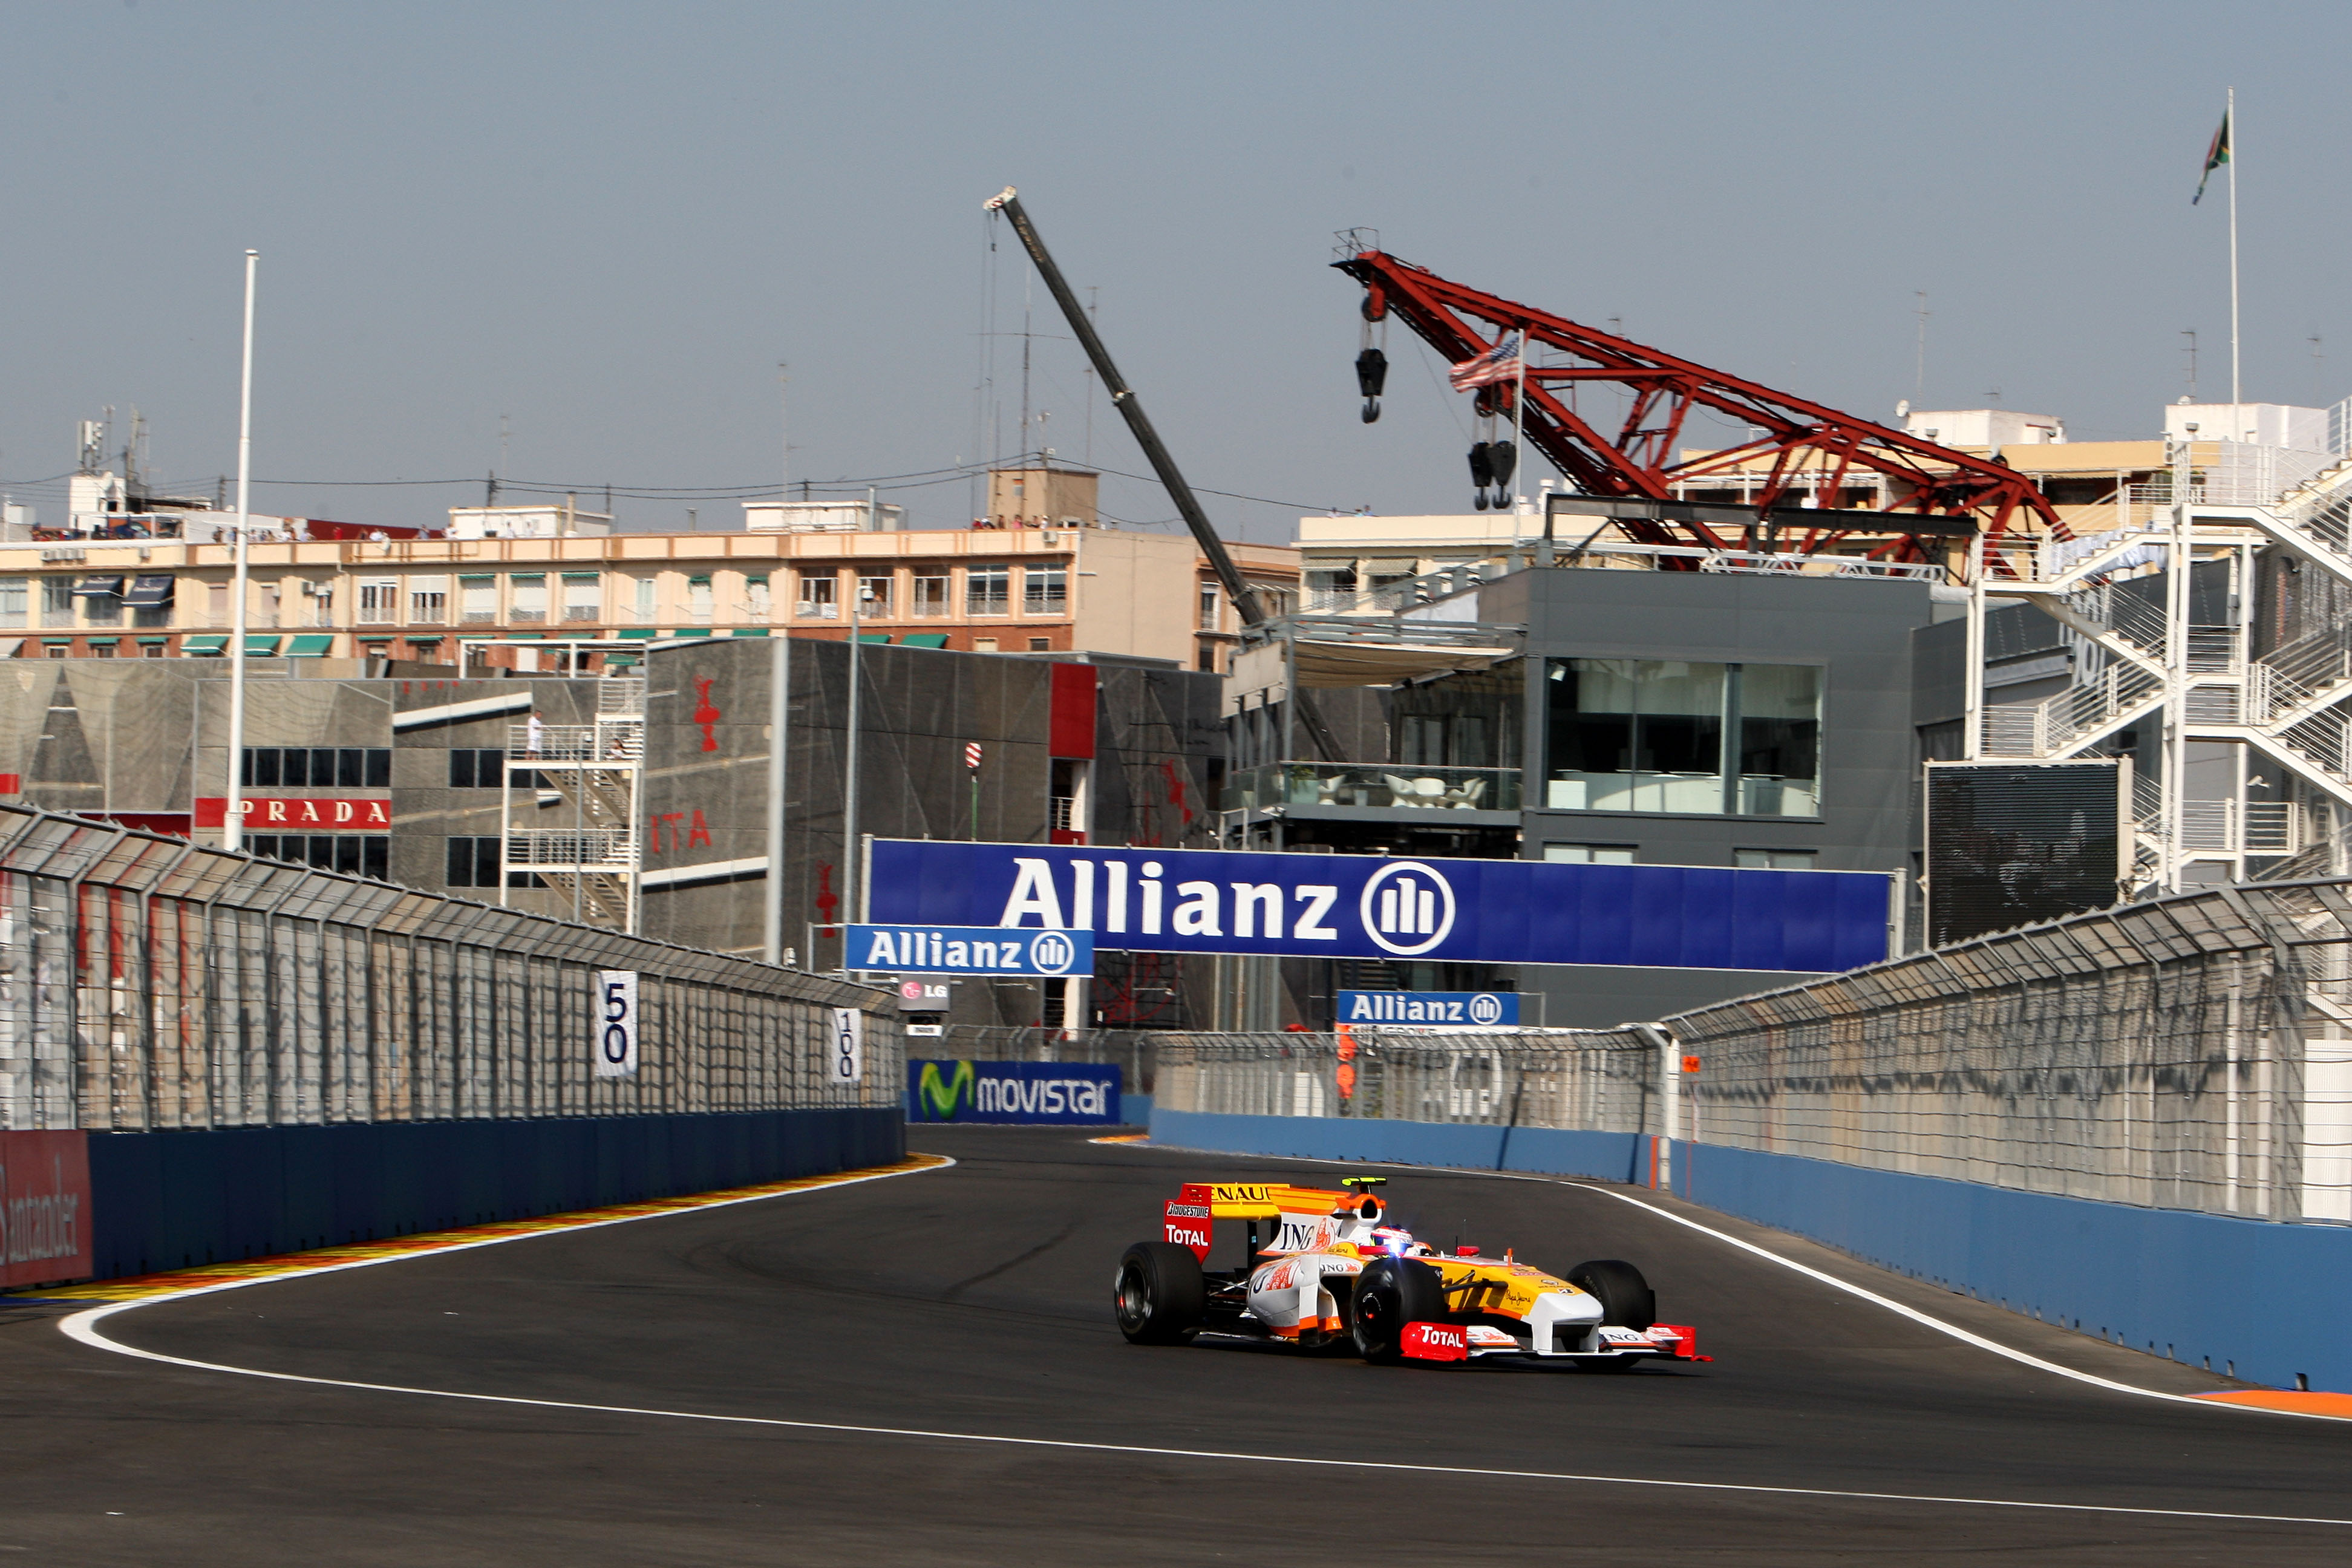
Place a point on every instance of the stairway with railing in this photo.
(592, 857)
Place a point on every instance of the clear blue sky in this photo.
(610, 223)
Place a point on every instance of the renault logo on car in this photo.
(1407, 907)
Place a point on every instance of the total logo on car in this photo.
(1328, 1272)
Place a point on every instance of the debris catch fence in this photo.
(2191, 1052)
(150, 984)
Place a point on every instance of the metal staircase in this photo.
(581, 781)
(2117, 598)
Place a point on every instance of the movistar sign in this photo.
(1369, 906)
(970, 949)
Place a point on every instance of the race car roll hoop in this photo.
(1332, 1275)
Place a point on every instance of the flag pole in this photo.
(1519, 432)
(2229, 119)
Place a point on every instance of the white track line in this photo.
(1874, 1298)
(82, 1327)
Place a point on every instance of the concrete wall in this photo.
(176, 1200)
(2262, 1299)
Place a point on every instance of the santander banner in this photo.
(43, 1207)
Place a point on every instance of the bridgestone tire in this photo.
(1389, 1294)
(1160, 1296)
(1626, 1300)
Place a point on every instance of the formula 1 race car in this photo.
(1329, 1273)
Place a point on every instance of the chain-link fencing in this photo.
(147, 984)
(2193, 1052)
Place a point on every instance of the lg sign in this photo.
(1369, 906)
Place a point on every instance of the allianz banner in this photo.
(1063, 1093)
(1375, 906)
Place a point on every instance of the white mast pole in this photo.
(2229, 118)
(232, 818)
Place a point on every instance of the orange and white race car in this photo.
(1329, 1273)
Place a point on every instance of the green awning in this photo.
(620, 662)
(925, 640)
(211, 642)
(260, 647)
(426, 642)
(748, 632)
(149, 641)
(874, 636)
(104, 642)
(535, 637)
(312, 645)
(57, 642)
(639, 633)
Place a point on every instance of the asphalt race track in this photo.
(974, 1300)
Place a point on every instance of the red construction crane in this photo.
(1940, 491)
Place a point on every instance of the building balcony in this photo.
(1372, 786)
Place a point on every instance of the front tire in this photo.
(1389, 1294)
(1626, 1300)
(1160, 1297)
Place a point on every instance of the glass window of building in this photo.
(57, 600)
(477, 599)
(378, 601)
(1589, 854)
(101, 599)
(584, 599)
(1209, 597)
(1044, 590)
(876, 596)
(530, 600)
(1773, 859)
(929, 593)
(1674, 735)
(643, 599)
(428, 602)
(817, 596)
(698, 600)
(1333, 588)
(755, 594)
(15, 601)
(988, 591)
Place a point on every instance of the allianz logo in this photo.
(1406, 907)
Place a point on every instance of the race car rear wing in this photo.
(1300, 1211)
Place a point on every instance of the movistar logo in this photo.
(941, 1098)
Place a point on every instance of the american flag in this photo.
(1500, 363)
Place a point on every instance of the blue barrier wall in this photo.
(2267, 1299)
(175, 1200)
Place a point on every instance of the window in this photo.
(59, 650)
(988, 591)
(875, 596)
(365, 854)
(100, 649)
(378, 601)
(755, 594)
(697, 599)
(983, 645)
(101, 599)
(152, 649)
(1045, 590)
(317, 767)
(477, 768)
(12, 601)
(583, 596)
(1209, 599)
(1040, 645)
(267, 614)
(529, 596)
(1773, 859)
(428, 602)
(216, 603)
(1589, 854)
(477, 600)
(931, 594)
(57, 600)
(1628, 734)
(474, 863)
(643, 598)
(1330, 590)
(817, 590)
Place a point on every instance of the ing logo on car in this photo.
(942, 1098)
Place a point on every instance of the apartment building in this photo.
(982, 590)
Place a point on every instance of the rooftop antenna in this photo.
(2318, 377)
(783, 437)
(2190, 333)
(1919, 372)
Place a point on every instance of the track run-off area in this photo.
(922, 1368)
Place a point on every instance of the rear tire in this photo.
(1160, 1297)
(1389, 1294)
(1626, 1300)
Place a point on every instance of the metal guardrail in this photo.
(146, 983)
(2193, 1052)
